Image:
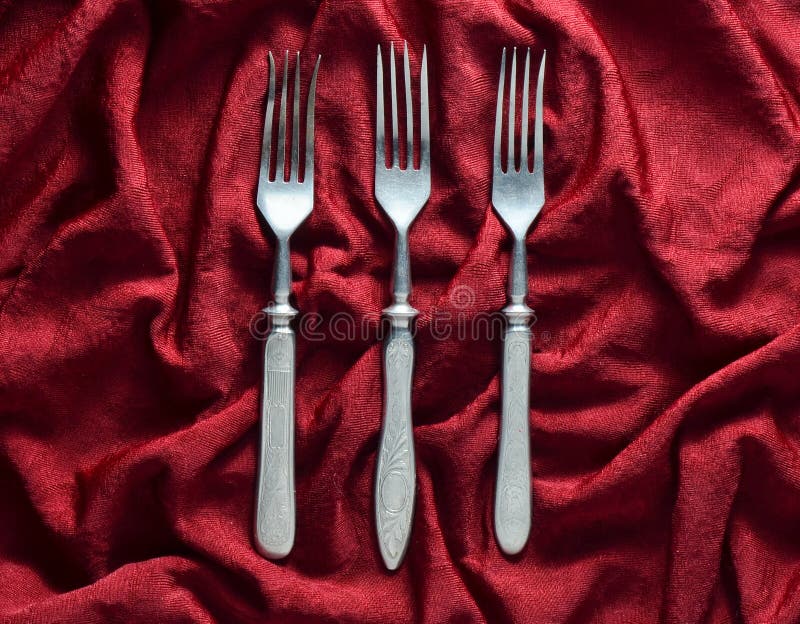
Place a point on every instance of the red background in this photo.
(663, 269)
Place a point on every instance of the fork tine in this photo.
(395, 140)
(296, 124)
(511, 164)
(424, 117)
(279, 167)
(409, 110)
(266, 141)
(498, 117)
(524, 143)
(380, 119)
(308, 170)
(538, 139)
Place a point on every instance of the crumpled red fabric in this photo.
(663, 271)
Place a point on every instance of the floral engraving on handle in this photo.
(395, 488)
(514, 479)
(278, 412)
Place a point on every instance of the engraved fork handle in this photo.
(396, 474)
(512, 508)
(275, 505)
(395, 481)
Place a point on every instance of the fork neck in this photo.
(518, 273)
(401, 283)
(401, 313)
(282, 281)
(281, 311)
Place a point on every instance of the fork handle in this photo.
(275, 505)
(512, 508)
(395, 482)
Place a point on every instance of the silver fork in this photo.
(285, 205)
(401, 193)
(517, 196)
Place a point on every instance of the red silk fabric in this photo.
(663, 270)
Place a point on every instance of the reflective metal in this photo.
(517, 196)
(401, 192)
(285, 204)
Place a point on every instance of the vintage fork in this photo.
(401, 192)
(517, 196)
(284, 204)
